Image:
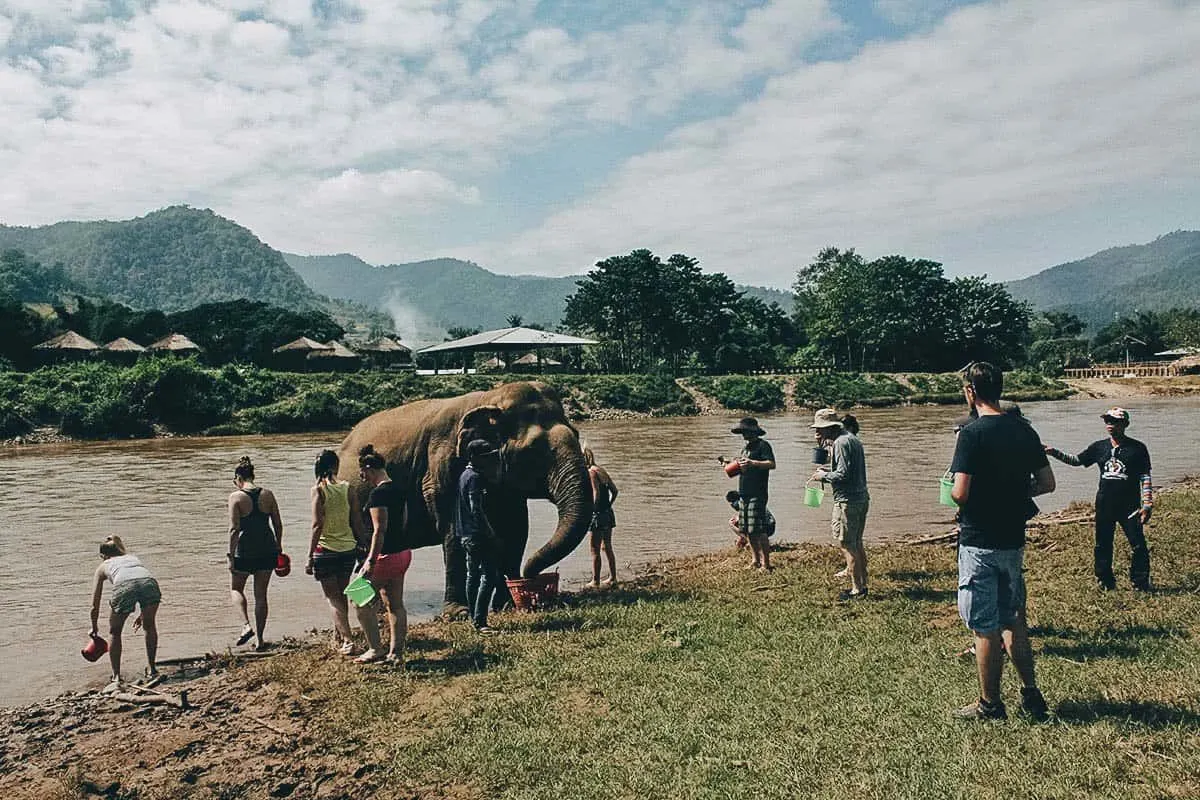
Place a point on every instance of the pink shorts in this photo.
(390, 566)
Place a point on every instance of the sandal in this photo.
(369, 657)
(247, 634)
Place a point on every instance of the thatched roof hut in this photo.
(302, 345)
(385, 352)
(175, 343)
(123, 345)
(493, 364)
(69, 342)
(1188, 365)
(532, 360)
(335, 356)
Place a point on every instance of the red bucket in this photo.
(530, 594)
(283, 565)
(732, 468)
(95, 648)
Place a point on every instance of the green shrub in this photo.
(101, 418)
(314, 410)
(743, 392)
(180, 394)
(844, 389)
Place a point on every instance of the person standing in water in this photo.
(604, 493)
(388, 559)
(133, 587)
(255, 542)
(1125, 497)
(332, 550)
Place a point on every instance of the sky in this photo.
(541, 137)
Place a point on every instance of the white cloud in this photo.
(1000, 111)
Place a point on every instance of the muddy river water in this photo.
(166, 498)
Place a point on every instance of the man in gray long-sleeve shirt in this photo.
(847, 473)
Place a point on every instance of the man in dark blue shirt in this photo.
(1124, 497)
(999, 464)
(472, 528)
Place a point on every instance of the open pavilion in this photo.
(502, 342)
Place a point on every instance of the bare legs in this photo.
(989, 656)
(334, 589)
(116, 626)
(602, 541)
(856, 567)
(761, 547)
(392, 592)
(237, 593)
(116, 623)
(150, 625)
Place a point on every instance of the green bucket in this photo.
(944, 496)
(812, 496)
(360, 591)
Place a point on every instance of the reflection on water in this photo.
(166, 498)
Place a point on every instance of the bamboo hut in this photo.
(293, 356)
(1188, 365)
(336, 358)
(69, 346)
(175, 344)
(493, 364)
(385, 352)
(122, 351)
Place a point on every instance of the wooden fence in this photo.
(1140, 369)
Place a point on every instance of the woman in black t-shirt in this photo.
(388, 559)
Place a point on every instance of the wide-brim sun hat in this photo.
(826, 418)
(748, 425)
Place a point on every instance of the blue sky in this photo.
(540, 137)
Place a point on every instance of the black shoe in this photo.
(1107, 586)
(1144, 588)
(982, 710)
(846, 595)
(1033, 705)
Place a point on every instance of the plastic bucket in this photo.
(944, 496)
(95, 648)
(360, 591)
(813, 496)
(732, 468)
(530, 594)
(283, 565)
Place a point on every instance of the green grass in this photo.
(705, 680)
(751, 393)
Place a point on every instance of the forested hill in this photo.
(1161, 275)
(171, 259)
(451, 292)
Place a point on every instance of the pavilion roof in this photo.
(509, 339)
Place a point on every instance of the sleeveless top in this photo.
(255, 538)
(603, 496)
(336, 534)
(124, 568)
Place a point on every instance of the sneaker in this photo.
(485, 630)
(982, 710)
(842, 573)
(1033, 705)
(1106, 586)
(845, 596)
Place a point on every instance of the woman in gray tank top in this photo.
(133, 587)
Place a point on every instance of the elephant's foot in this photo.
(453, 611)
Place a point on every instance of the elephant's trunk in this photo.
(571, 492)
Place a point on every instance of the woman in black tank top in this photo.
(255, 542)
(604, 492)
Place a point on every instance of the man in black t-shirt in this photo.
(756, 461)
(998, 465)
(1125, 497)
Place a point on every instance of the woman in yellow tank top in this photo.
(332, 550)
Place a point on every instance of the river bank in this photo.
(165, 397)
(696, 679)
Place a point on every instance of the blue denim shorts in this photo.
(991, 587)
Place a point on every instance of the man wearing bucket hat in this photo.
(755, 463)
(998, 465)
(1125, 497)
(847, 474)
(475, 532)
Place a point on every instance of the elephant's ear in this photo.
(481, 422)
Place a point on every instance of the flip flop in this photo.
(247, 635)
(369, 657)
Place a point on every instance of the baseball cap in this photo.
(1116, 414)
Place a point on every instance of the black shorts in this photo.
(256, 563)
(329, 564)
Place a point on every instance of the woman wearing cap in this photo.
(1125, 497)
(388, 559)
(847, 474)
(756, 461)
(133, 587)
(332, 550)
(255, 542)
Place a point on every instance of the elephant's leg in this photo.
(510, 520)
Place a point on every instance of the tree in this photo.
(1136, 337)
(104, 320)
(248, 330)
(460, 332)
(513, 320)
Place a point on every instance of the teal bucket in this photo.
(944, 496)
(813, 496)
(360, 591)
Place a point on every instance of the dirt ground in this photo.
(1121, 388)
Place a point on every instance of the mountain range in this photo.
(1157, 276)
(180, 257)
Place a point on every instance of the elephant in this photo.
(424, 445)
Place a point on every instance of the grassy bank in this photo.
(704, 680)
(96, 400)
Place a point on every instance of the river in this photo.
(167, 497)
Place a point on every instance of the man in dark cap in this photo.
(1125, 497)
(472, 528)
(755, 462)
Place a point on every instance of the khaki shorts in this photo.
(849, 519)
